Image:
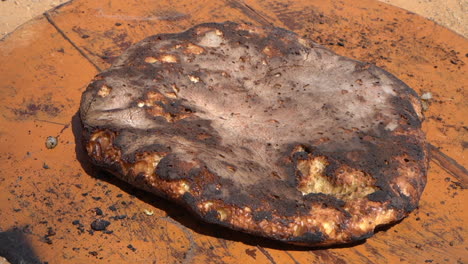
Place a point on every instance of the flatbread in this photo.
(261, 131)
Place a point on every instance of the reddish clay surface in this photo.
(49, 196)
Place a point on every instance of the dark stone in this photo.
(98, 211)
(131, 247)
(99, 224)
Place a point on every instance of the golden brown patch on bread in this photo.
(348, 183)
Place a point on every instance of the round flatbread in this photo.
(261, 131)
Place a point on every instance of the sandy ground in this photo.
(449, 13)
(16, 12)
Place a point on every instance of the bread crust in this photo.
(261, 131)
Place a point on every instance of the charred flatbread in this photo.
(262, 131)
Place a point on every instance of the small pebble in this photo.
(148, 212)
(51, 142)
(120, 217)
(99, 224)
(131, 247)
(426, 96)
(98, 211)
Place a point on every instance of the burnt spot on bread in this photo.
(262, 215)
(172, 167)
(261, 131)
